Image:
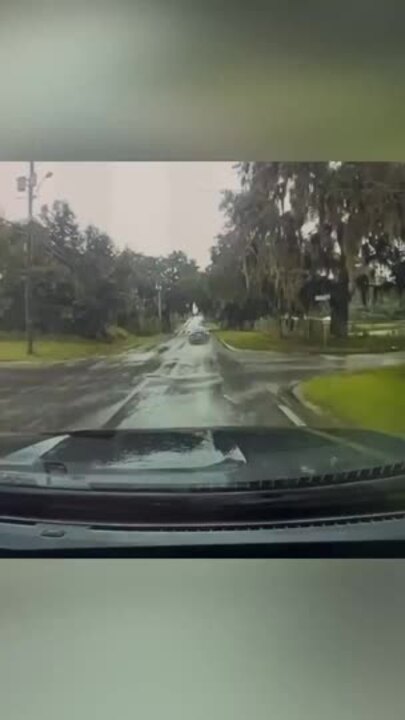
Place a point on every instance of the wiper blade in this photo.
(217, 506)
(249, 478)
(322, 480)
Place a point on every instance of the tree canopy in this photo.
(293, 231)
(83, 283)
(297, 229)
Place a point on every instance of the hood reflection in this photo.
(145, 450)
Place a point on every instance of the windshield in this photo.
(201, 324)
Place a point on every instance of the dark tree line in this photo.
(293, 231)
(83, 284)
(299, 230)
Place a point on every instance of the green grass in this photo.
(47, 349)
(247, 339)
(374, 400)
(255, 340)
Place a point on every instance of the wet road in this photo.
(176, 385)
(211, 385)
(192, 387)
(186, 390)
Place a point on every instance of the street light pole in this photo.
(28, 269)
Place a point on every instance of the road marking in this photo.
(110, 413)
(313, 408)
(225, 344)
(291, 415)
(230, 400)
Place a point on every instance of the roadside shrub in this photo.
(150, 326)
(115, 333)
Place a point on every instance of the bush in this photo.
(150, 326)
(115, 333)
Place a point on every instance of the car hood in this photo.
(209, 455)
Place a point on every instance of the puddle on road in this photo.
(201, 408)
(178, 401)
(186, 390)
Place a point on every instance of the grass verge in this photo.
(60, 349)
(247, 339)
(374, 400)
(255, 340)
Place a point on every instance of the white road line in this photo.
(291, 415)
(230, 400)
(228, 347)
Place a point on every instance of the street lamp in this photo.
(23, 184)
(48, 175)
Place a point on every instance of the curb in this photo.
(225, 344)
(296, 389)
(291, 395)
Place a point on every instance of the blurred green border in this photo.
(206, 80)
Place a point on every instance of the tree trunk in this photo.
(166, 321)
(364, 288)
(339, 305)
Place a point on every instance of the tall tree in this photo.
(348, 206)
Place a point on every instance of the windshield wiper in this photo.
(248, 478)
(151, 507)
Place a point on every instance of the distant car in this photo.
(198, 337)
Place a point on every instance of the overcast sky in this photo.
(152, 207)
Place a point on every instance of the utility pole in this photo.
(159, 292)
(28, 184)
(28, 269)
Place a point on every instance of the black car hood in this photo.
(216, 455)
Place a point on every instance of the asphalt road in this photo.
(175, 385)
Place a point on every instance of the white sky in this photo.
(153, 207)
